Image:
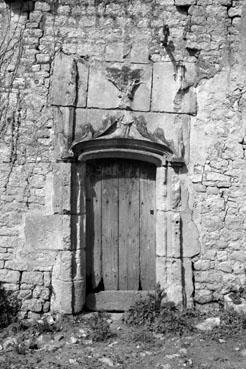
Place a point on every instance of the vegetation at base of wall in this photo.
(152, 314)
(161, 318)
(48, 323)
(146, 309)
(172, 320)
(100, 327)
(232, 323)
(9, 307)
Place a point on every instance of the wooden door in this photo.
(120, 232)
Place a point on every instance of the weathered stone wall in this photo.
(193, 56)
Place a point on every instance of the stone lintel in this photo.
(175, 128)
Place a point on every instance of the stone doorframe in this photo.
(173, 268)
(123, 109)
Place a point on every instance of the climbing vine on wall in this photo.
(11, 50)
(14, 89)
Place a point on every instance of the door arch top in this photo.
(124, 136)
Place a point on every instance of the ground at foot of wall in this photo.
(92, 341)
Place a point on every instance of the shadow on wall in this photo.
(20, 6)
(27, 6)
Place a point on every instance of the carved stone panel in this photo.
(174, 129)
(173, 88)
(121, 86)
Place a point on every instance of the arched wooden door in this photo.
(120, 231)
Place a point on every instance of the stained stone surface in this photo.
(181, 66)
(173, 89)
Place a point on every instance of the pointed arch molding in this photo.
(124, 136)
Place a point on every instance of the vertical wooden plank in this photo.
(147, 177)
(128, 225)
(110, 225)
(93, 224)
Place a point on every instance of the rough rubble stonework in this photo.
(61, 65)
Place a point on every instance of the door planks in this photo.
(128, 226)
(93, 225)
(110, 226)
(120, 225)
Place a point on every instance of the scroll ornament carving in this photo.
(128, 128)
(123, 126)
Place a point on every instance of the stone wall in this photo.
(55, 62)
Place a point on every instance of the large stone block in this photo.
(161, 233)
(32, 305)
(173, 235)
(113, 86)
(32, 259)
(68, 188)
(174, 285)
(44, 232)
(9, 276)
(161, 188)
(173, 189)
(70, 265)
(82, 83)
(47, 279)
(69, 81)
(68, 297)
(161, 271)
(113, 300)
(63, 88)
(190, 236)
(61, 188)
(64, 127)
(188, 282)
(176, 277)
(45, 236)
(34, 278)
(53, 232)
(173, 89)
(203, 296)
(73, 232)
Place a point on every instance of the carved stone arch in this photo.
(124, 136)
